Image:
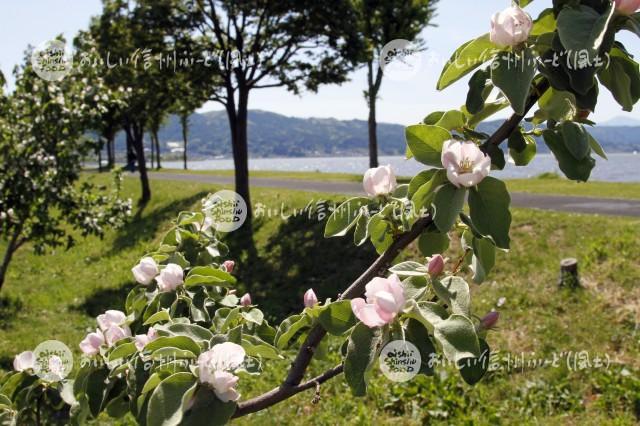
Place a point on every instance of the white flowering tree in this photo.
(42, 144)
(186, 343)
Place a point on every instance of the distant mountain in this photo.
(275, 135)
(621, 121)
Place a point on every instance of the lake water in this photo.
(619, 167)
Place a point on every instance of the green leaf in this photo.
(487, 111)
(256, 347)
(477, 94)
(289, 328)
(489, 210)
(193, 331)
(361, 233)
(497, 157)
(418, 180)
(409, 269)
(208, 410)
(180, 342)
(632, 24)
(344, 217)
(362, 350)
(424, 195)
(430, 243)
(454, 292)
(122, 351)
(458, 338)
(622, 78)
(254, 315)
(165, 405)
(484, 257)
(596, 147)
(575, 139)
(414, 287)
(433, 118)
(513, 75)
(425, 143)
(418, 334)
(209, 275)
(473, 369)
(427, 313)
(572, 168)
(337, 318)
(169, 354)
(468, 57)
(582, 28)
(546, 23)
(380, 233)
(160, 316)
(522, 148)
(452, 120)
(448, 203)
(556, 105)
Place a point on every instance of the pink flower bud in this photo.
(435, 265)
(489, 321)
(310, 298)
(245, 300)
(379, 181)
(510, 27)
(229, 265)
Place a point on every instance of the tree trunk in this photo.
(12, 246)
(111, 151)
(372, 95)
(156, 141)
(131, 153)
(184, 120)
(153, 151)
(137, 139)
(241, 152)
(100, 160)
(373, 136)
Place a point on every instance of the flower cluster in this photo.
(112, 327)
(216, 366)
(168, 278)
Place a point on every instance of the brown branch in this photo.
(292, 384)
(283, 392)
(505, 130)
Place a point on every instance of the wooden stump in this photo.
(569, 273)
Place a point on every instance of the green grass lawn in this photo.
(545, 184)
(57, 297)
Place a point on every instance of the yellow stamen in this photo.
(466, 166)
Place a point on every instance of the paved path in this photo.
(565, 203)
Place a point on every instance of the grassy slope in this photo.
(548, 185)
(57, 297)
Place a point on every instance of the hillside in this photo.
(275, 135)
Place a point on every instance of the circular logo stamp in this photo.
(400, 60)
(53, 360)
(227, 209)
(400, 360)
(52, 60)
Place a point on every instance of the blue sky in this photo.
(404, 102)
